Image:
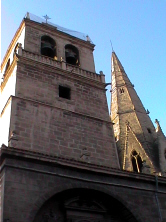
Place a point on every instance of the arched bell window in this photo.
(48, 46)
(136, 162)
(72, 55)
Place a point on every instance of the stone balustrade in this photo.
(62, 65)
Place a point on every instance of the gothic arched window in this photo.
(71, 55)
(136, 162)
(48, 46)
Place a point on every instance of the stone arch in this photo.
(71, 55)
(72, 186)
(48, 46)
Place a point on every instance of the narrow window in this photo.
(149, 130)
(165, 153)
(121, 90)
(135, 169)
(136, 162)
(139, 163)
(64, 92)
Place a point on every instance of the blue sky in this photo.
(137, 29)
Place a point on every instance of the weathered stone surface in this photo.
(60, 160)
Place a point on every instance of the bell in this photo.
(47, 50)
(71, 58)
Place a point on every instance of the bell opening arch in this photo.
(48, 46)
(72, 55)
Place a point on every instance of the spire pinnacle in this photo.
(158, 129)
(119, 71)
(116, 63)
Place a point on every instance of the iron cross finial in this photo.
(46, 17)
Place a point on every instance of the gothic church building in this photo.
(63, 158)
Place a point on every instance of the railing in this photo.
(84, 73)
(40, 58)
(62, 65)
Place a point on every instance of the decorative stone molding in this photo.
(62, 65)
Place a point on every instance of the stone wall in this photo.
(77, 128)
(33, 35)
(29, 185)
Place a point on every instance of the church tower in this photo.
(53, 100)
(59, 158)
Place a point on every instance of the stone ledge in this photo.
(81, 165)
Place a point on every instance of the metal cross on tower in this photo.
(46, 17)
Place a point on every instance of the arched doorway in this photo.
(83, 205)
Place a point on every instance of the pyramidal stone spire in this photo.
(133, 129)
(118, 68)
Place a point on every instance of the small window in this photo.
(64, 92)
(165, 153)
(149, 130)
(121, 90)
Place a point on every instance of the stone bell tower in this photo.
(59, 159)
(57, 103)
(53, 103)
